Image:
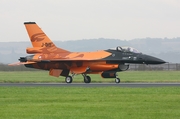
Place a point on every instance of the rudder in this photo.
(39, 38)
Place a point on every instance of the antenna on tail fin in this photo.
(39, 39)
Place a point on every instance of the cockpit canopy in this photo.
(126, 49)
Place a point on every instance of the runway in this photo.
(90, 85)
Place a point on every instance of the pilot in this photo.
(119, 48)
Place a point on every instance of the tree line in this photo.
(5, 67)
(133, 67)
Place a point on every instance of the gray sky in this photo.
(85, 19)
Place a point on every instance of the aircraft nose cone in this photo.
(153, 60)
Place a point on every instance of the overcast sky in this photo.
(64, 20)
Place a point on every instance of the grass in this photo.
(128, 76)
(88, 103)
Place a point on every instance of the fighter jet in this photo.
(61, 62)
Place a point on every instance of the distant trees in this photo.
(5, 67)
(133, 67)
(163, 48)
(144, 67)
(149, 68)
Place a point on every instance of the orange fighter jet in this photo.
(60, 62)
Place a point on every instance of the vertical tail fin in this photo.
(39, 39)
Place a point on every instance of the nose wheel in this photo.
(117, 80)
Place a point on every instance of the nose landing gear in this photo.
(117, 80)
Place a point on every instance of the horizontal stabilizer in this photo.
(20, 63)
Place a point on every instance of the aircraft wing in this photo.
(63, 60)
(75, 56)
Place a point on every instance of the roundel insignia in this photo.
(40, 57)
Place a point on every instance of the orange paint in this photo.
(59, 61)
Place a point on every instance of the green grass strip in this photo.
(88, 103)
(128, 76)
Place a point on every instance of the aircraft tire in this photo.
(87, 79)
(68, 79)
(117, 80)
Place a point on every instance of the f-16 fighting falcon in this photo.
(61, 62)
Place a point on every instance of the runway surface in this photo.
(90, 85)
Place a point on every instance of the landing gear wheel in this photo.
(117, 80)
(87, 79)
(68, 79)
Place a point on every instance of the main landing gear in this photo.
(87, 79)
(69, 79)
